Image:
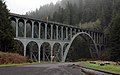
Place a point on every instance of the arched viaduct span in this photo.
(48, 41)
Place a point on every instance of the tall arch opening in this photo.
(45, 51)
(81, 47)
(13, 24)
(32, 50)
(29, 29)
(57, 52)
(19, 47)
(36, 29)
(21, 26)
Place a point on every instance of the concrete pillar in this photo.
(62, 54)
(39, 53)
(32, 29)
(16, 27)
(51, 32)
(39, 30)
(66, 33)
(45, 30)
(56, 32)
(25, 28)
(24, 50)
(75, 31)
(51, 53)
(78, 30)
(61, 32)
(70, 33)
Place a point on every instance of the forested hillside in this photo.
(99, 15)
(78, 12)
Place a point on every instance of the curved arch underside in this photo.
(80, 34)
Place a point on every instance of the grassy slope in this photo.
(111, 68)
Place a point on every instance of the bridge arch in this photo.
(20, 46)
(32, 50)
(57, 52)
(28, 29)
(78, 34)
(45, 51)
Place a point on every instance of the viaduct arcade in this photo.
(45, 41)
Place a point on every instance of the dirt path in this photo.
(41, 69)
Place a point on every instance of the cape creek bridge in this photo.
(45, 41)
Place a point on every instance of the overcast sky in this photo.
(23, 6)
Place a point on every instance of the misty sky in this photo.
(23, 6)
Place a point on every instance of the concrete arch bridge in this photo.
(50, 41)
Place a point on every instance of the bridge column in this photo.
(45, 30)
(51, 32)
(66, 33)
(24, 50)
(56, 32)
(32, 29)
(39, 53)
(70, 33)
(61, 32)
(62, 54)
(51, 56)
(16, 27)
(75, 31)
(39, 29)
(25, 29)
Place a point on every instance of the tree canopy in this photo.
(6, 30)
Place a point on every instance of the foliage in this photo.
(92, 25)
(6, 30)
(114, 38)
(10, 58)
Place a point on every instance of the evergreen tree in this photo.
(114, 38)
(6, 30)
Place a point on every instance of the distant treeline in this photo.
(76, 12)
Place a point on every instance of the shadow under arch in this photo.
(79, 34)
(57, 52)
(32, 50)
(19, 47)
(45, 51)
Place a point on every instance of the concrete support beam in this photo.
(24, 50)
(39, 30)
(17, 27)
(45, 30)
(39, 53)
(56, 32)
(51, 32)
(51, 53)
(32, 29)
(25, 28)
(70, 33)
(61, 32)
(66, 33)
